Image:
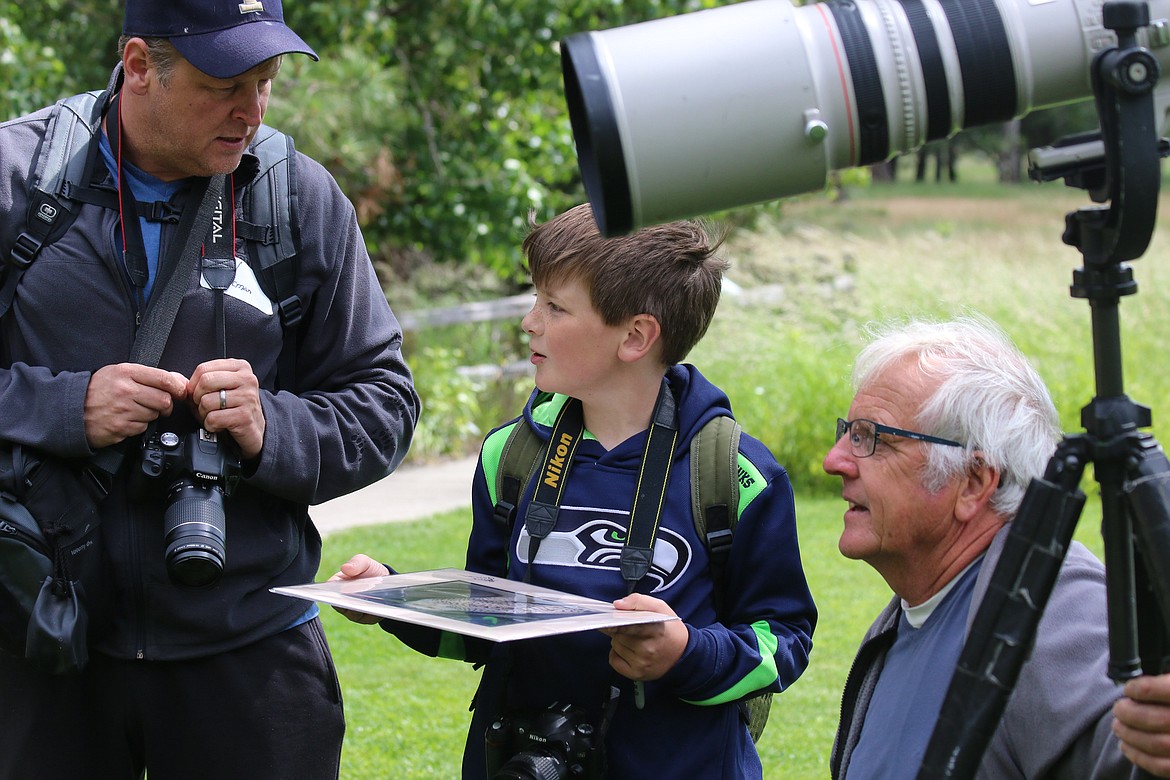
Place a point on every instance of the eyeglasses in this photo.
(863, 436)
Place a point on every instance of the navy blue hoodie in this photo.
(689, 725)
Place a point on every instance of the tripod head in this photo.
(1118, 164)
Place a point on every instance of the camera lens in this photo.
(754, 101)
(194, 529)
(533, 765)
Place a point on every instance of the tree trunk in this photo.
(885, 171)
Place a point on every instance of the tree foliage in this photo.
(470, 132)
(443, 120)
(53, 48)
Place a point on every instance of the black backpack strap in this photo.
(715, 494)
(270, 222)
(60, 182)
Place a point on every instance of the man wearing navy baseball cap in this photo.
(222, 38)
(183, 282)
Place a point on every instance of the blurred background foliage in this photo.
(443, 120)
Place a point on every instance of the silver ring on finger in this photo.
(223, 399)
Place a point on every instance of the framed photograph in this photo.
(472, 604)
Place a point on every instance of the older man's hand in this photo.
(1142, 723)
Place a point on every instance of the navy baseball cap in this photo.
(222, 38)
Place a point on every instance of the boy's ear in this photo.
(642, 335)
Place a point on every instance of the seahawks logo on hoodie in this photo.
(592, 538)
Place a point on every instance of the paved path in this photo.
(410, 493)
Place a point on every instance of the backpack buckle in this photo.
(504, 513)
(290, 311)
(24, 251)
(161, 211)
(719, 540)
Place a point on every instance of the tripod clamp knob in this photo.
(1133, 71)
(1129, 67)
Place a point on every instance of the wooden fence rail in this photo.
(514, 306)
(511, 308)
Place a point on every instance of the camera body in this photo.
(559, 742)
(204, 469)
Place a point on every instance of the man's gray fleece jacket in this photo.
(1057, 723)
(346, 422)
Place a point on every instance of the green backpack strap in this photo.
(518, 460)
(715, 494)
(715, 506)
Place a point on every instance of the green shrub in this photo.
(907, 250)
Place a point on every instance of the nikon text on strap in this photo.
(638, 551)
(541, 517)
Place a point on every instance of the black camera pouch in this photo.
(58, 627)
(25, 562)
(51, 570)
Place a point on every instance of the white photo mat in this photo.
(472, 604)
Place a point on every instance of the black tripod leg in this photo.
(1147, 491)
(1005, 625)
(1117, 533)
(1148, 494)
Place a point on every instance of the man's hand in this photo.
(356, 568)
(123, 399)
(225, 395)
(1141, 720)
(649, 650)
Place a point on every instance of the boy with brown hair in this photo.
(612, 321)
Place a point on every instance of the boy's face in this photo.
(574, 351)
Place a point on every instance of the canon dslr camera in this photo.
(204, 469)
(548, 745)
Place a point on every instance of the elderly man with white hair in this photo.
(948, 425)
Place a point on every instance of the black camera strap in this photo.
(176, 266)
(163, 308)
(638, 550)
(219, 263)
(155, 329)
(176, 271)
(541, 517)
